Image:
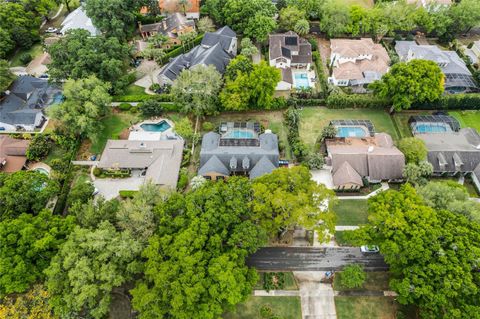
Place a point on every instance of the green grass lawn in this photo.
(113, 125)
(401, 119)
(34, 51)
(284, 307)
(272, 120)
(467, 118)
(314, 119)
(375, 281)
(365, 307)
(351, 211)
(55, 153)
(290, 283)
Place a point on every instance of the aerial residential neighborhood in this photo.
(240, 159)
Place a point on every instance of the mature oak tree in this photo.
(433, 254)
(195, 264)
(27, 244)
(412, 82)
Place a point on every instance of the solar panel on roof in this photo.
(291, 41)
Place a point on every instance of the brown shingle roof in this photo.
(12, 151)
(346, 174)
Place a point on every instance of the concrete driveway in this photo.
(323, 176)
(109, 187)
(317, 298)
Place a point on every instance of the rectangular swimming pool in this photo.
(235, 133)
(301, 80)
(351, 131)
(430, 128)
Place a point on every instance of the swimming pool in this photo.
(301, 80)
(42, 170)
(161, 126)
(239, 134)
(430, 128)
(351, 131)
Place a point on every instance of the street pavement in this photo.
(313, 259)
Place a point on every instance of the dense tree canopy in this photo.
(416, 81)
(249, 86)
(27, 244)
(86, 102)
(432, 254)
(289, 16)
(78, 55)
(195, 261)
(417, 173)
(24, 192)
(31, 305)
(196, 90)
(115, 18)
(288, 197)
(6, 77)
(88, 266)
(414, 149)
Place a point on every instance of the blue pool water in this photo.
(430, 128)
(57, 98)
(42, 170)
(350, 131)
(301, 80)
(161, 126)
(239, 134)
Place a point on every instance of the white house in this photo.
(357, 63)
(293, 55)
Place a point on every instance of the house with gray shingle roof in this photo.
(21, 107)
(453, 153)
(217, 49)
(238, 150)
(458, 79)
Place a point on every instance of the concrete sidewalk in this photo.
(276, 293)
(317, 298)
(381, 189)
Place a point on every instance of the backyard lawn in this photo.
(351, 212)
(34, 51)
(314, 119)
(365, 307)
(467, 118)
(272, 120)
(401, 120)
(283, 307)
(113, 125)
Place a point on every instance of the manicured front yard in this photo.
(284, 307)
(289, 282)
(272, 120)
(113, 125)
(314, 119)
(351, 211)
(365, 307)
(467, 118)
(375, 281)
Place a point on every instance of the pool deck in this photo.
(137, 133)
(39, 165)
(310, 76)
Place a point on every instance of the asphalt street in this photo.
(313, 259)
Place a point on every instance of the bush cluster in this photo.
(356, 101)
(292, 121)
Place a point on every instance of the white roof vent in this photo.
(370, 148)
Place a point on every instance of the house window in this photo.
(208, 177)
(220, 178)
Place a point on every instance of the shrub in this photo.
(352, 101)
(182, 180)
(266, 312)
(150, 108)
(314, 161)
(322, 78)
(208, 126)
(39, 147)
(353, 276)
(127, 194)
(25, 58)
(278, 103)
(97, 172)
(80, 192)
(184, 128)
(313, 43)
(154, 87)
(125, 106)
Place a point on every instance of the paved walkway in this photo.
(256, 58)
(381, 189)
(85, 163)
(342, 228)
(276, 293)
(317, 298)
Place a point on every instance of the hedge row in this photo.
(355, 101)
(322, 79)
(470, 101)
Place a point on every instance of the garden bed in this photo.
(276, 281)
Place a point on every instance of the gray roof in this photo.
(175, 21)
(454, 68)
(213, 50)
(247, 159)
(161, 159)
(457, 151)
(26, 98)
(78, 19)
(279, 46)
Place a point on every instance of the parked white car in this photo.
(51, 30)
(370, 249)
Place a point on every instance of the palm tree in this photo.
(184, 4)
(302, 27)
